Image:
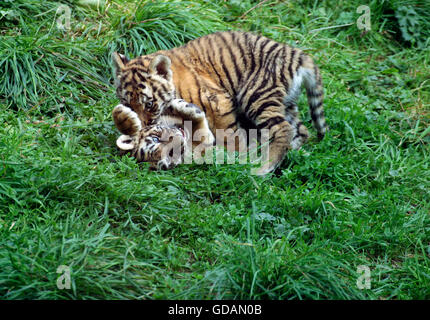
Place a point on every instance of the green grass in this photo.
(359, 197)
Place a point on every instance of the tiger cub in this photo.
(238, 79)
(176, 112)
(150, 143)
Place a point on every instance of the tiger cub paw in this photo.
(187, 110)
(209, 138)
(264, 169)
(126, 120)
(167, 163)
(163, 164)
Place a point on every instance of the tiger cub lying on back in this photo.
(153, 143)
(239, 80)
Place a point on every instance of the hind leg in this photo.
(270, 115)
(301, 133)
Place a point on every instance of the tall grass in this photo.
(32, 58)
(160, 26)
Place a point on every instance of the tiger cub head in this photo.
(144, 84)
(162, 146)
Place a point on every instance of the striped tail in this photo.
(315, 93)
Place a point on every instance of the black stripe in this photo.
(252, 56)
(257, 75)
(262, 47)
(236, 68)
(227, 113)
(261, 55)
(254, 115)
(154, 90)
(239, 45)
(231, 125)
(269, 51)
(275, 57)
(317, 75)
(299, 135)
(221, 82)
(227, 74)
(254, 75)
(314, 94)
(271, 122)
(316, 106)
(163, 86)
(140, 76)
(201, 101)
(265, 57)
(290, 105)
(290, 67)
(128, 83)
(257, 94)
(283, 77)
(315, 115)
(299, 62)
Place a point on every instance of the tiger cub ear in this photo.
(125, 142)
(119, 62)
(160, 66)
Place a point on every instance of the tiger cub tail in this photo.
(315, 94)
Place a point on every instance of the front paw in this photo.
(186, 110)
(126, 120)
(264, 169)
(164, 164)
(210, 138)
(206, 133)
(167, 163)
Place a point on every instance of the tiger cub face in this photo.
(162, 146)
(144, 84)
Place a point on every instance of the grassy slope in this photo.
(360, 197)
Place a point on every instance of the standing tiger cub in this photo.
(238, 79)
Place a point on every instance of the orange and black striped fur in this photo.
(239, 80)
(163, 146)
